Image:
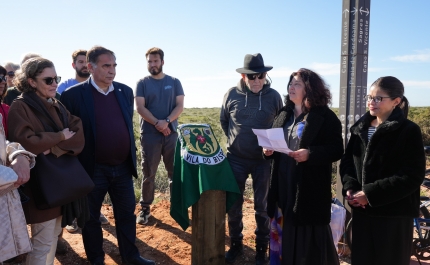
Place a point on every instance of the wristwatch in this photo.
(168, 120)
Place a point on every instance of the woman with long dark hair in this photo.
(300, 190)
(382, 170)
(29, 117)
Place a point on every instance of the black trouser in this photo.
(381, 240)
(260, 173)
(118, 182)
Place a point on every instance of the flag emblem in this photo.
(199, 145)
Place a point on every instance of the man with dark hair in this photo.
(252, 104)
(79, 63)
(109, 156)
(159, 101)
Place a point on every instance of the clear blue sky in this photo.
(205, 41)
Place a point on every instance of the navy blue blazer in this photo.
(79, 101)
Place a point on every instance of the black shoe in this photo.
(142, 217)
(236, 249)
(261, 255)
(139, 261)
(61, 246)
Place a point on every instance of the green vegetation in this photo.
(420, 115)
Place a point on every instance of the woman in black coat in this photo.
(382, 169)
(300, 189)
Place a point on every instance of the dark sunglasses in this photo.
(253, 76)
(2, 78)
(50, 80)
(11, 73)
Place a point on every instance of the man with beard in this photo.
(80, 65)
(159, 101)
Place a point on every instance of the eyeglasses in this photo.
(376, 99)
(253, 76)
(2, 78)
(11, 73)
(50, 80)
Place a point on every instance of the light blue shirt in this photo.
(66, 84)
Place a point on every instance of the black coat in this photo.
(322, 135)
(389, 169)
(79, 101)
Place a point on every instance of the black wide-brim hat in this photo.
(253, 64)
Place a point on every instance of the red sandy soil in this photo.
(162, 239)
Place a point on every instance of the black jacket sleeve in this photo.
(347, 169)
(225, 116)
(332, 149)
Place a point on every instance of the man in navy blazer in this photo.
(109, 155)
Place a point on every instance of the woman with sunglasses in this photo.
(382, 170)
(11, 69)
(4, 109)
(299, 200)
(35, 114)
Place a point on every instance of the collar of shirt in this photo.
(110, 89)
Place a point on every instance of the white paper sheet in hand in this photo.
(272, 139)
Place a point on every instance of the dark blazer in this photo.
(79, 101)
(322, 135)
(389, 169)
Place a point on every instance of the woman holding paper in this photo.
(300, 190)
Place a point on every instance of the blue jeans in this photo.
(260, 173)
(117, 181)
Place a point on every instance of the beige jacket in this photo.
(14, 238)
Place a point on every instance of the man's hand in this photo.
(21, 166)
(161, 125)
(166, 131)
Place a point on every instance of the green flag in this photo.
(200, 165)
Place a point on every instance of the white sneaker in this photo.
(73, 227)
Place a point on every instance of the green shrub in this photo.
(421, 116)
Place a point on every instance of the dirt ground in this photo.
(161, 239)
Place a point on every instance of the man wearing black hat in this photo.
(252, 104)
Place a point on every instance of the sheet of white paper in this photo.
(272, 139)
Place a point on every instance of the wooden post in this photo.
(208, 229)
